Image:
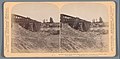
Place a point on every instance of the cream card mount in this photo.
(60, 29)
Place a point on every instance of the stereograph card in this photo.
(60, 29)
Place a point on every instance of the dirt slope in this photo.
(69, 40)
(75, 41)
(26, 41)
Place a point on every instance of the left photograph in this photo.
(35, 28)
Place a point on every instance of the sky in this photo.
(86, 11)
(41, 11)
(37, 11)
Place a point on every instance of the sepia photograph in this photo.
(84, 27)
(35, 28)
(59, 29)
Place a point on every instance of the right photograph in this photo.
(84, 28)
